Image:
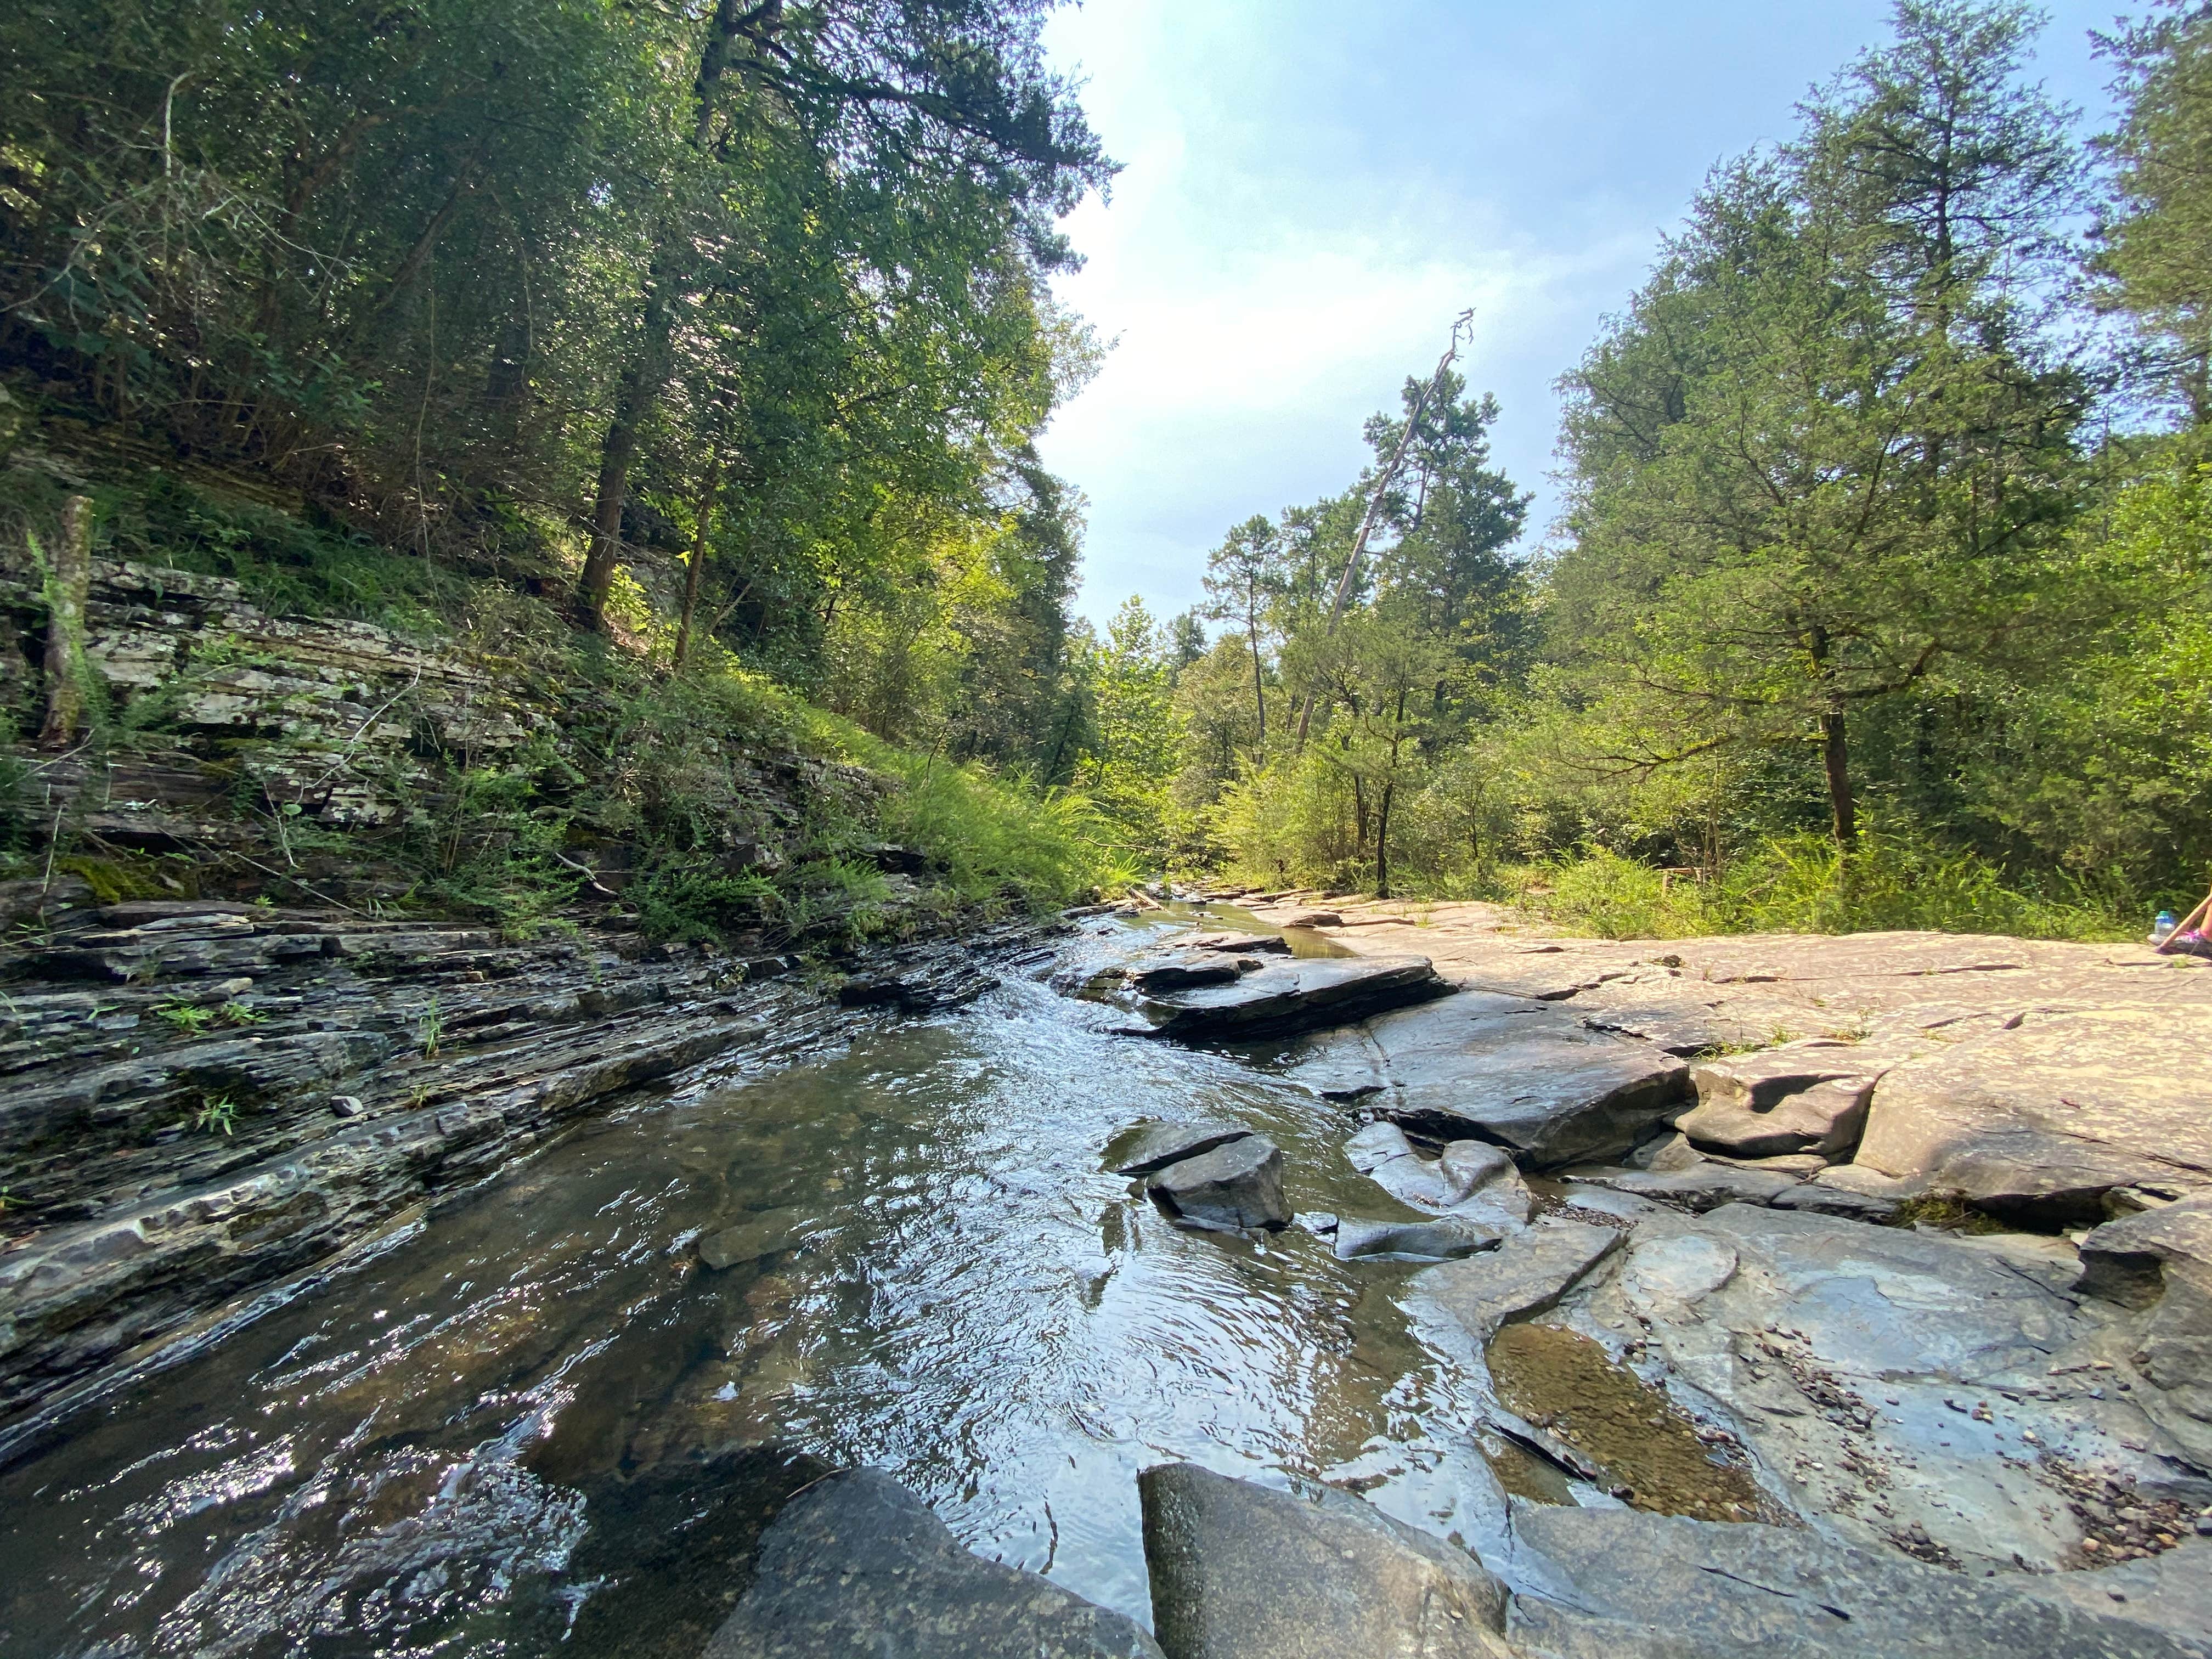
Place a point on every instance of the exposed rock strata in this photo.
(239, 1092)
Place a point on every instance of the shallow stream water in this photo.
(534, 1424)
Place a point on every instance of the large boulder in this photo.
(1236, 1186)
(858, 1562)
(1303, 993)
(1644, 1586)
(2043, 1119)
(1521, 1075)
(1807, 1097)
(1239, 1571)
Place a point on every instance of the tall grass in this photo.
(994, 835)
(1804, 884)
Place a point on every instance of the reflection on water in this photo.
(536, 1413)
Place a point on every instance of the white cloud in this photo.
(1310, 194)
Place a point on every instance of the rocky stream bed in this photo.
(1257, 1279)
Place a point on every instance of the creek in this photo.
(508, 1428)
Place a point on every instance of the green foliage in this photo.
(1806, 884)
(186, 1019)
(214, 1117)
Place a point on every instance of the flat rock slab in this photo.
(1889, 1379)
(1256, 944)
(1303, 993)
(859, 1561)
(1239, 1571)
(2041, 1121)
(1525, 1274)
(1153, 974)
(1156, 1145)
(1448, 1238)
(1647, 1584)
(1700, 1188)
(767, 1234)
(1526, 1076)
(2171, 1590)
(1235, 1188)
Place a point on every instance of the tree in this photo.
(1241, 578)
(1828, 448)
(2156, 253)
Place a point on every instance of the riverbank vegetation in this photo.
(690, 356)
(696, 355)
(1880, 596)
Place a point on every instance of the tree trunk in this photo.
(1259, 692)
(67, 582)
(1835, 752)
(646, 371)
(698, 559)
(1382, 841)
(641, 380)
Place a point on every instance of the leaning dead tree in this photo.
(1462, 331)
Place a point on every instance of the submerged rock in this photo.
(1301, 994)
(1470, 1178)
(858, 1561)
(768, 1234)
(1239, 1571)
(1653, 1585)
(1235, 1187)
(1156, 1145)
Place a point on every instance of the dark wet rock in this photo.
(1253, 944)
(1239, 1571)
(1527, 1274)
(769, 1234)
(2041, 1120)
(1153, 976)
(1448, 1238)
(1301, 994)
(1802, 1097)
(1310, 919)
(1662, 1585)
(1508, 1070)
(1704, 1186)
(858, 1562)
(1235, 1187)
(1156, 1145)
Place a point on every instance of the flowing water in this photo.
(534, 1424)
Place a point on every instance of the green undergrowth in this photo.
(668, 777)
(1804, 884)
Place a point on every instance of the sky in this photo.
(1312, 192)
